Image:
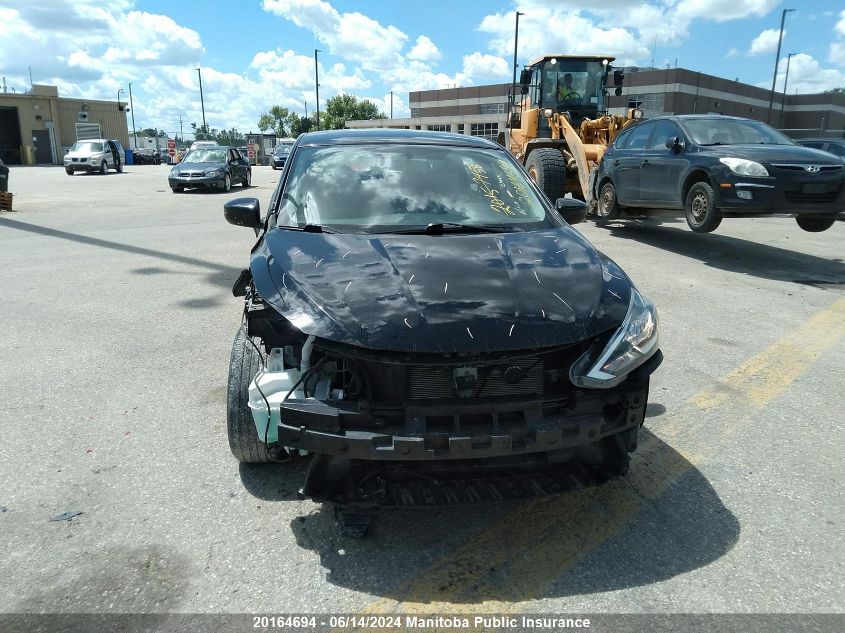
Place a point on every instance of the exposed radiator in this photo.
(438, 382)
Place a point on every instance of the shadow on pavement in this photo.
(275, 481)
(735, 254)
(662, 520)
(218, 275)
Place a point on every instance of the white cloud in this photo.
(840, 26)
(722, 10)
(806, 75)
(424, 50)
(837, 53)
(732, 53)
(766, 42)
(486, 67)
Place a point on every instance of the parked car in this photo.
(4, 177)
(146, 157)
(834, 146)
(423, 321)
(713, 166)
(280, 155)
(95, 155)
(210, 168)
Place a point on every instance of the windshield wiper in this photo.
(439, 228)
(307, 228)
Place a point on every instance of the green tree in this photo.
(299, 124)
(345, 107)
(231, 137)
(835, 91)
(275, 120)
(204, 133)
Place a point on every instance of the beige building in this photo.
(37, 127)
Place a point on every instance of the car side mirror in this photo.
(243, 212)
(618, 77)
(525, 77)
(571, 210)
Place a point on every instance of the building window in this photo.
(460, 128)
(491, 108)
(489, 131)
(415, 113)
(440, 128)
(649, 102)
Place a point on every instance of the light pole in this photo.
(202, 102)
(777, 62)
(132, 112)
(317, 85)
(391, 104)
(785, 84)
(118, 99)
(515, 66)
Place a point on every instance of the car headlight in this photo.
(548, 112)
(744, 167)
(632, 344)
(636, 113)
(213, 172)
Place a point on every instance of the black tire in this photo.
(247, 181)
(607, 207)
(227, 183)
(119, 168)
(104, 168)
(814, 225)
(243, 437)
(547, 168)
(69, 172)
(273, 166)
(177, 189)
(703, 216)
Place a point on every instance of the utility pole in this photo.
(118, 99)
(391, 104)
(785, 84)
(181, 135)
(777, 62)
(132, 112)
(512, 91)
(317, 85)
(202, 102)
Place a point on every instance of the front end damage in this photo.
(387, 429)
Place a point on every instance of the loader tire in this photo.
(547, 168)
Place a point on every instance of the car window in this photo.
(374, 188)
(727, 131)
(206, 156)
(623, 138)
(663, 131)
(836, 148)
(87, 146)
(813, 144)
(639, 136)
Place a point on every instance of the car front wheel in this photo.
(69, 172)
(244, 364)
(104, 169)
(702, 214)
(247, 181)
(227, 183)
(814, 225)
(608, 207)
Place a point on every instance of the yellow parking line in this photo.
(763, 378)
(517, 558)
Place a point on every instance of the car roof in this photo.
(692, 117)
(398, 137)
(822, 140)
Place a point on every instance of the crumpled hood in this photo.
(454, 293)
(768, 154)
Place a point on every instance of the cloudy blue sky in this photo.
(258, 53)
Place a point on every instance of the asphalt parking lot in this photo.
(118, 319)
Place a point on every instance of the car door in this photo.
(242, 164)
(232, 165)
(628, 162)
(662, 167)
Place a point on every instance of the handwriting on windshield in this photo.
(480, 178)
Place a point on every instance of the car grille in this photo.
(802, 167)
(432, 382)
(800, 197)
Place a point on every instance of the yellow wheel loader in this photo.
(558, 126)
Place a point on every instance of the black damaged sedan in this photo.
(423, 324)
(213, 168)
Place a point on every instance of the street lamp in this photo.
(785, 84)
(202, 102)
(515, 66)
(118, 98)
(317, 85)
(777, 62)
(132, 112)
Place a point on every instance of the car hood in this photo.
(774, 153)
(82, 154)
(454, 293)
(197, 166)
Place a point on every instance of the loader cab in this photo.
(566, 83)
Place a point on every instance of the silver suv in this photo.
(94, 155)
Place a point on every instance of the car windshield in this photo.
(282, 149)
(87, 146)
(733, 132)
(378, 188)
(206, 156)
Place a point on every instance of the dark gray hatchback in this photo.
(716, 166)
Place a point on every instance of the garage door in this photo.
(86, 131)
